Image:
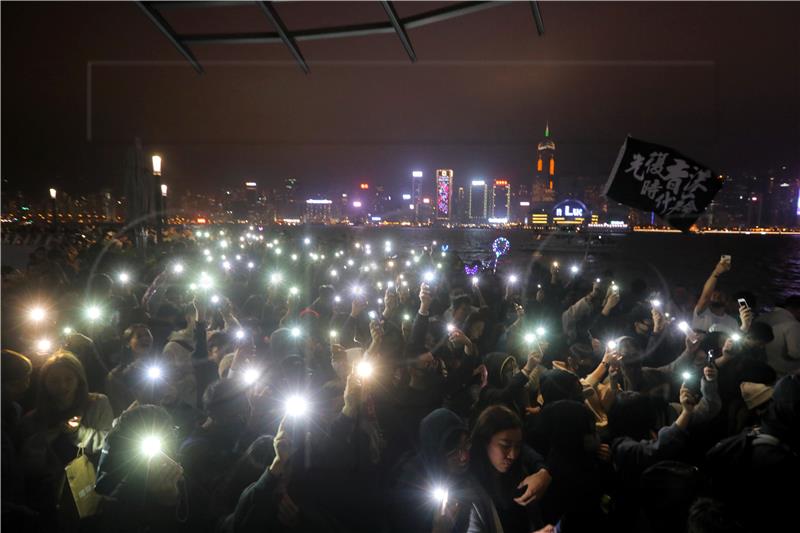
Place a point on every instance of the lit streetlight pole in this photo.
(159, 199)
(53, 198)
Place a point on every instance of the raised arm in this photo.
(710, 285)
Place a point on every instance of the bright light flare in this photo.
(37, 314)
(151, 446)
(364, 369)
(296, 406)
(44, 345)
(154, 372)
(250, 376)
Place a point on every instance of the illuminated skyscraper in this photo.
(478, 201)
(501, 200)
(444, 194)
(544, 184)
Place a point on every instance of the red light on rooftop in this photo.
(364, 186)
(201, 220)
(501, 183)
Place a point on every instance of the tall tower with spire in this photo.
(544, 182)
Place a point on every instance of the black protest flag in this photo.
(657, 178)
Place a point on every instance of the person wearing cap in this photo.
(756, 397)
(763, 497)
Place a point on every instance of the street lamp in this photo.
(53, 198)
(156, 165)
(160, 204)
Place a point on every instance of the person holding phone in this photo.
(513, 474)
(710, 308)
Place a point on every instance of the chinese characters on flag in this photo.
(656, 178)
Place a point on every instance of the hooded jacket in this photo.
(412, 508)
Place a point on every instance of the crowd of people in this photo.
(249, 380)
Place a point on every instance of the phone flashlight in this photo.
(736, 337)
(574, 269)
(530, 337)
(36, 314)
(250, 265)
(683, 326)
(686, 376)
(296, 406)
(333, 334)
(555, 264)
(364, 369)
(512, 279)
(372, 315)
(215, 299)
(450, 328)
(177, 268)
(44, 345)
(406, 317)
(68, 330)
(151, 446)
(655, 303)
(240, 334)
(611, 345)
(440, 495)
(295, 332)
(250, 376)
(276, 278)
(294, 291)
(124, 277)
(154, 372)
(428, 276)
(93, 312)
(474, 280)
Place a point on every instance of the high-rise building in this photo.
(444, 194)
(544, 183)
(501, 200)
(318, 211)
(285, 199)
(478, 201)
(521, 202)
(416, 187)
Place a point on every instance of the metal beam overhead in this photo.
(399, 29)
(283, 32)
(164, 27)
(449, 12)
(290, 38)
(537, 18)
(178, 5)
(232, 38)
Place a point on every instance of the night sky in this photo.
(718, 81)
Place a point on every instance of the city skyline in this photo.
(476, 100)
